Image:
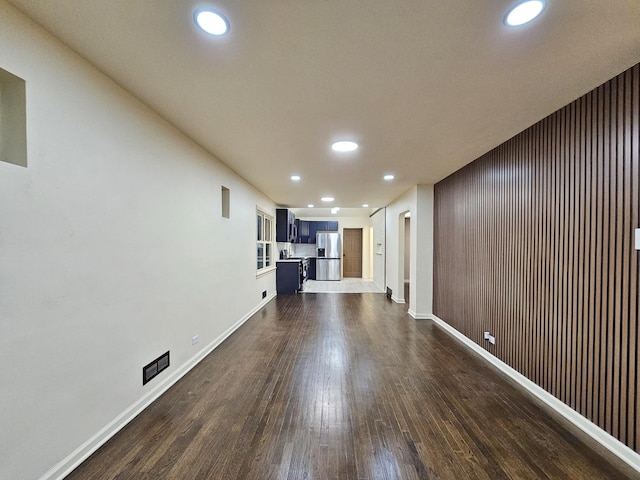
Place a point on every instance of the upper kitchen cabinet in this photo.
(303, 231)
(313, 228)
(320, 226)
(329, 226)
(292, 230)
(286, 229)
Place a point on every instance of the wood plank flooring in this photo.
(346, 285)
(330, 386)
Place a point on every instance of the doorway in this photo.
(403, 284)
(407, 255)
(352, 253)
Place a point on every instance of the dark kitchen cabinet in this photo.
(288, 278)
(326, 226)
(286, 230)
(311, 273)
(312, 232)
(318, 226)
(303, 231)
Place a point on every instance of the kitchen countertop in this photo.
(295, 259)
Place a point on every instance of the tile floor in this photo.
(346, 285)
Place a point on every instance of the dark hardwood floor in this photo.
(346, 386)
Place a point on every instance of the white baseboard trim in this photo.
(611, 443)
(73, 460)
(419, 316)
(397, 300)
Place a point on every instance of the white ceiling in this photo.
(424, 86)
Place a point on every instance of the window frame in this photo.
(265, 224)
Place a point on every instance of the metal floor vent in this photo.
(154, 368)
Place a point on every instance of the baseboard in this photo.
(419, 316)
(611, 443)
(72, 461)
(397, 300)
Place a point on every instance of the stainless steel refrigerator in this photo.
(329, 256)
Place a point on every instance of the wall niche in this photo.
(13, 119)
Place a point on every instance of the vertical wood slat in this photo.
(534, 242)
(634, 406)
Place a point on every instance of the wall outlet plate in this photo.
(492, 340)
(637, 238)
(487, 335)
(195, 339)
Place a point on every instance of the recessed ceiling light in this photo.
(310, 205)
(524, 12)
(295, 178)
(344, 146)
(327, 199)
(212, 22)
(389, 177)
(365, 205)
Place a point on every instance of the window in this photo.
(265, 241)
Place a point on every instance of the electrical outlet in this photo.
(637, 238)
(492, 340)
(487, 335)
(195, 339)
(264, 294)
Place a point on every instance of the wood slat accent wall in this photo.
(534, 242)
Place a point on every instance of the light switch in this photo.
(637, 238)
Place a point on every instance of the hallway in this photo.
(347, 386)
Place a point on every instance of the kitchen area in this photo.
(308, 250)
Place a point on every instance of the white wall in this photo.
(345, 222)
(419, 201)
(379, 247)
(395, 241)
(422, 254)
(113, 250)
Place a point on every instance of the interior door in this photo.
(352, 252)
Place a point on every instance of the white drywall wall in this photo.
(418, 200)
(113, 250)
(378, 247)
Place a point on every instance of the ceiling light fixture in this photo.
(524, 12)
(365, 205)
(212, 22)
(389, 177)
(344, 146)
(295, 178)
(310, 205)
(327, 199)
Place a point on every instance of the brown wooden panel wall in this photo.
(534, 242)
